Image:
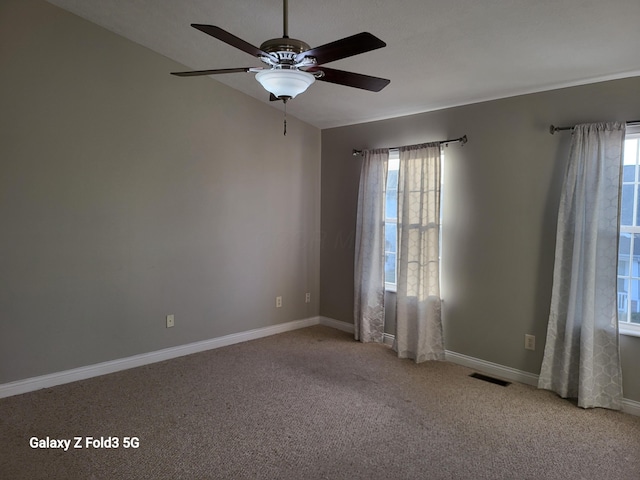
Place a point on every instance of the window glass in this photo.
(628, 173)
(391, 205)
(626, 205)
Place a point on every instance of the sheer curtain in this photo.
(369, 255)
(418, 304)
(581, 356)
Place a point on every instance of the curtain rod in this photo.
(553, 129)
(462, 140)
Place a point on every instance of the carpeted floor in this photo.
(311, 404)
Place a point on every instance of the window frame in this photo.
(625, 327)
(394, 159)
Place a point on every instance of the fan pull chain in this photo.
(285, 117)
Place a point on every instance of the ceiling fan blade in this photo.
(347, 47)
(230, 39)
(350, 79)
(273, 98)
(196, 73)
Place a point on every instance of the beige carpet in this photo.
(312, 404)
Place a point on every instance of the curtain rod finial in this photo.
(552, 129)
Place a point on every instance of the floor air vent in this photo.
(486, 378)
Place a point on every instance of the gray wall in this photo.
(127, 194)
(501, 194)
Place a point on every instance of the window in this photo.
(629, 245)
(391, 219)
(391, 222)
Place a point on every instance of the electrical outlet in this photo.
(278, 302)
(171, 321)
(307, 298)
(530, 342)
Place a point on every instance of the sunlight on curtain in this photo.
(581, 356)
(369, 255)
(418, 304)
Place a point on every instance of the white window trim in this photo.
(626, 328)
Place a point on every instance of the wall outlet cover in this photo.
(530, 342)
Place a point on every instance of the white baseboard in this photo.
(51, 380)
(337, 324)
(507, 373)
(388, 339)
(348, 327)
(493, 369)
(631, 406)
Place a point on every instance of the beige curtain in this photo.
(418, 305)
(369, 254)
(581, 355)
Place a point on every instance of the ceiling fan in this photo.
(292, 66)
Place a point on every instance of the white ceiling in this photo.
(440, 53)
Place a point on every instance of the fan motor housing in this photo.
(285, 49)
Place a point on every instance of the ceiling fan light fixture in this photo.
(285, 83)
